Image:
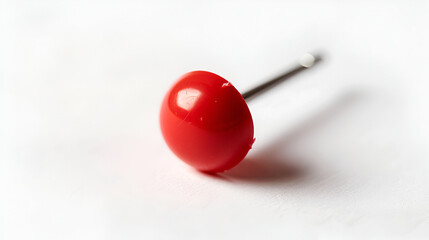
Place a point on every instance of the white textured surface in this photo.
(341, 151)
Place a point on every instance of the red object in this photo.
(206, 122)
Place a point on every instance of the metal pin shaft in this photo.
(305, 62)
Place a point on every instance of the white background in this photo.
(341, 151)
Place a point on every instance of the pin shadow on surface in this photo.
(273, 164)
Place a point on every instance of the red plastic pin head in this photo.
(206, 122)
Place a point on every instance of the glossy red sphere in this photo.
(206, 122)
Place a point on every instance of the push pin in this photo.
(206, 122)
